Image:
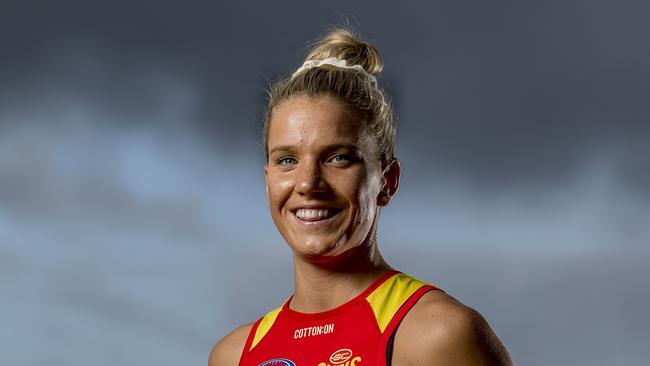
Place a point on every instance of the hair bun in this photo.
(343, 44)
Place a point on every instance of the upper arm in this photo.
(442, 331)
(229, 349)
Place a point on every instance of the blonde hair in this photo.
(352, 87)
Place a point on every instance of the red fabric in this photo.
(344, 336)
(396, 320)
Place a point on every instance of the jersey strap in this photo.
(259, 330)
(389, 297)
(265, 324)
(390, 303)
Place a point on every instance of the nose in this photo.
(310, 179)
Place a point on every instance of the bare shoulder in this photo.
(440, 330)
(229, 349)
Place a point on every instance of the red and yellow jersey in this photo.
(357, 333)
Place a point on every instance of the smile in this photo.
(305, 214)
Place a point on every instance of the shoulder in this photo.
(229, 349)
(439, 330)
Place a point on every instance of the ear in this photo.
(266, 179)
(391, 183)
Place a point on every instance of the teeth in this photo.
(314, 214)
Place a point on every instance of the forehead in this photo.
(315, 121)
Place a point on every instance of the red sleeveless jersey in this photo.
(356, 333)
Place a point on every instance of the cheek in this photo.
(367, 208)
(362, 192)
(279, 188)
(370, 181)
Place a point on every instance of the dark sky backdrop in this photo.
(133, 221)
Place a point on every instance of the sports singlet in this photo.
(357, 333)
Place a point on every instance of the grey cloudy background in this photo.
(133, 221)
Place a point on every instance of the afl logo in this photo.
(340, 356)
(278, 362)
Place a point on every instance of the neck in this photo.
(321, 286)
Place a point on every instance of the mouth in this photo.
(315, 214)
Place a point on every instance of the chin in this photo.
(316, 248)
(321, 248)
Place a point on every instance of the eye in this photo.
(341, 159)
(286, 161)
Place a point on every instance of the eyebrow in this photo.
(280, 148)
(287, 148)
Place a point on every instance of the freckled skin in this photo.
(308, 131)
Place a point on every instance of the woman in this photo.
(329, 138)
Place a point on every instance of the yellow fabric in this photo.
(265, 326)
(386, 299)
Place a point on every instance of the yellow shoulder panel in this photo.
(265, 326)
(390, 295)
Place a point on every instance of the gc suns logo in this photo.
(342, 357)
(278, 362)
